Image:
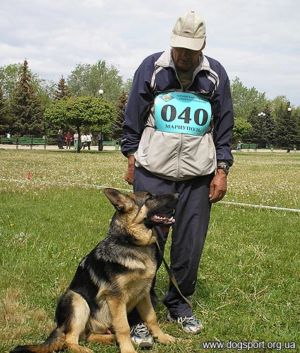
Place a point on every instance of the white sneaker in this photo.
(189, 324)
(141, 336)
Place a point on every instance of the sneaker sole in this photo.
(192, 332)
(146, 345)
(143, 344)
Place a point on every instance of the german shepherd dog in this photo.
(114, 278)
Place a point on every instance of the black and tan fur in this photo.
(112, 279)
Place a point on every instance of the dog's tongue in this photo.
(163, 219)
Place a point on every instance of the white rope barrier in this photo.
(99, 187)
(275, 208)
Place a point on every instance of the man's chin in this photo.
(184, 67)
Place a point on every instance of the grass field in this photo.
(52, 214)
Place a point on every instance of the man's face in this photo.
(185, 59)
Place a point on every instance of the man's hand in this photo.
(218, 186)
(129, 176)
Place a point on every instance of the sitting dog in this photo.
(114, 278)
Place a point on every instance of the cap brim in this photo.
(186, 42)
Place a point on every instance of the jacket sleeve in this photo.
(137, 109)
(223, 119)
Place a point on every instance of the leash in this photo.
(170, 273)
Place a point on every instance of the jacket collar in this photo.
(165, 60)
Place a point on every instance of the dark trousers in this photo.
(100, 145)
(188, 235)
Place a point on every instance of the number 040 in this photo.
(169, 113)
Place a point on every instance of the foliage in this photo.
(268, 128)
(87, 80)
(117, 126)
(286, 128)
(127, 86)
(4, 114)
(81, 112)
(245, 100)
(9, 76)
(296, 113)
(26, 106)
(262, 130)
(62, 90)
(241, 128)
(277, 104)
(271, 121)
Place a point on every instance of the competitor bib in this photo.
(182, 112)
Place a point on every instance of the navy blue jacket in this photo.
(211, 80)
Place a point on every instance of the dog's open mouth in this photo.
(160, 219)
(161, 210)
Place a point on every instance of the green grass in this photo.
(248, 284)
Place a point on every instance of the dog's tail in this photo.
(55, 342)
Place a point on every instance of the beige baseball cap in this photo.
(189, 32)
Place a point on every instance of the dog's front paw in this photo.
(166, 339)
(127, 349)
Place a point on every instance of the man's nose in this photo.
(186, 53)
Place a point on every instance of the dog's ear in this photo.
(120, 201)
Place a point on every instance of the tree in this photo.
(81, 112)
(268, 128)
(246, 99)
(127, 85)
(296, 113)
(62, 90)
(262, 127)
(277, 104)
(8, 78)
(254, 135)
(117, 126)
(26, 106)
(241, 129)
(286, 126)
(86, 80)
(5, 119)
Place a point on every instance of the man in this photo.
(177, 136)
(100, 141)
(60, 139)
(89, 138)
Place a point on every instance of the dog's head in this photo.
(137, 213)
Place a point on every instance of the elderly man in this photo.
(177, 136)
